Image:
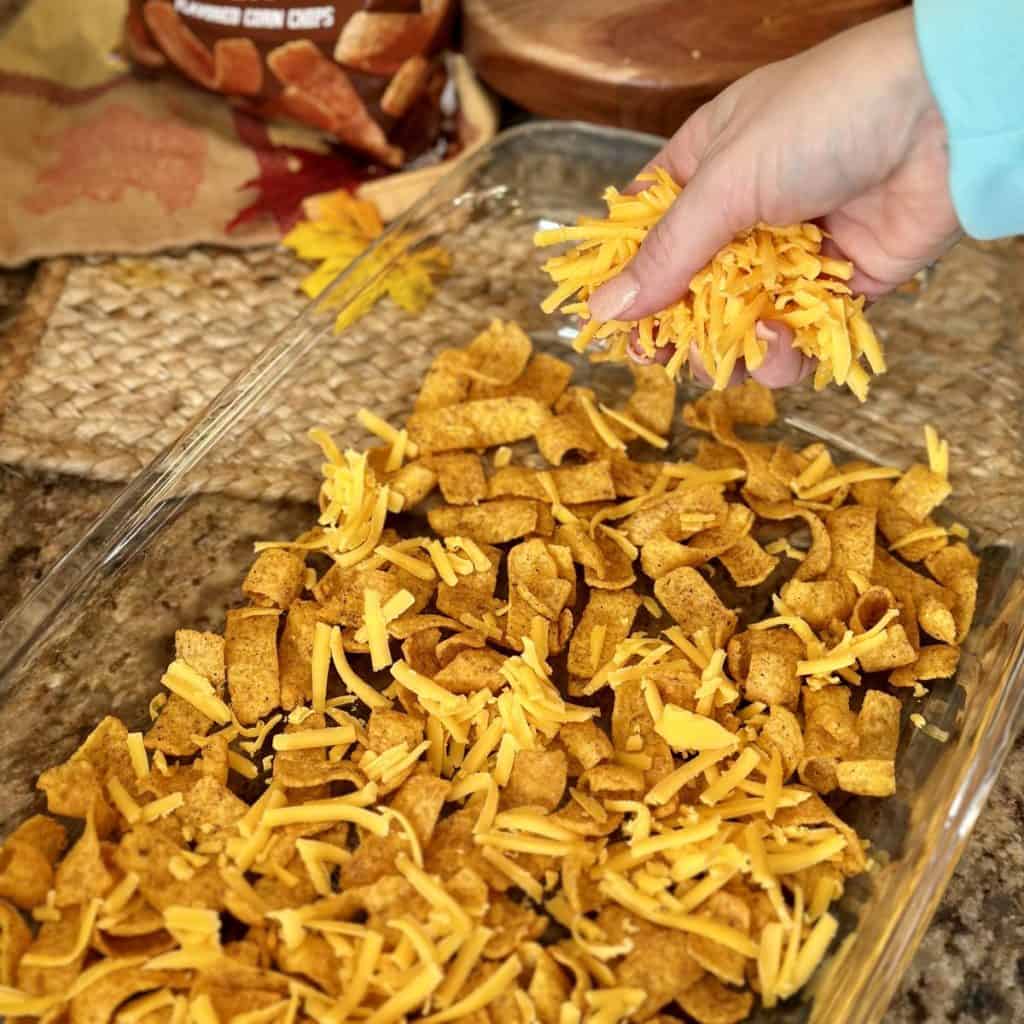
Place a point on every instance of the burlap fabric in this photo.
(95, 159)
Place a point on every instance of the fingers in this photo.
(636, 353)
(681, 155)
(701, 375)
(684, 240)
(878, 269)
(783, 365)
(709, 212)
(861, 283)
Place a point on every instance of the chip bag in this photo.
(364, 77)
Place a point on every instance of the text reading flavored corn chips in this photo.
(766, 273)
(565, 749)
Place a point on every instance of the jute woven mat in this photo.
(109, 359)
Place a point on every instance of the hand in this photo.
(846, 134)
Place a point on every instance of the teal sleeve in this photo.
(973, 55)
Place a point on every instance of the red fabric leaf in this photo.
(288, 175)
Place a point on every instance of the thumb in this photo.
(709, 212)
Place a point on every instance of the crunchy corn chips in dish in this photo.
(766, 273)
(533, 723)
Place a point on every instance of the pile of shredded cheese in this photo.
(767, 273)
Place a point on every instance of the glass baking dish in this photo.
(93, 637)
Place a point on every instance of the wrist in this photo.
(908, 102)
(917, 90)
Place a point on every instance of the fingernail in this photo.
(766, 331)
(637, 354)
(697, 371)
(611, 300)
(782, 364)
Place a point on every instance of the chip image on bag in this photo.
(365, 73)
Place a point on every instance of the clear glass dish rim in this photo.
(150, 501)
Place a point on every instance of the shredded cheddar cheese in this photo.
(85, 927)
(382, 429)
(123, 800)
(184, 681)
(600, 425)
(326, 811)
(767, 272)
(386, 834)
(312, 739)
(515, 874)
(157, 809)
(484, 994)
(855, 476)
(683, 730)
(915, 536)
(360, 689)
(639, 429)
(414, 566)
(938, 452)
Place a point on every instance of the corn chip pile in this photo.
(766, 273)
(498, 743)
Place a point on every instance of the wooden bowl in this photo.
(646, 64)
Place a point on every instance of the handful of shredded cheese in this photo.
(766, 273)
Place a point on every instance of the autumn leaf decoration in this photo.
(287, 176)
(342, 229)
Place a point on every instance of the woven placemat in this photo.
(110, 359)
